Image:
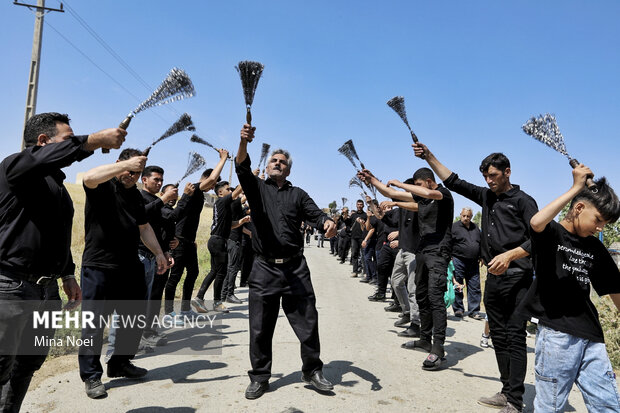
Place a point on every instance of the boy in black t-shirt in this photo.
(568, 258)
(217, 244)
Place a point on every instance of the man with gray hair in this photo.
(280, 270)
(465, 257)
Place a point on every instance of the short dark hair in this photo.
(163, 188)
(423, 174)
(42, 123)
(359, 200)
(496, 159)
(409, 181)
(207, 173)
(152, 169)
(605, 200)
(220, 185)
(129, 153)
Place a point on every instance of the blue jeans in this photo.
(563, 359)
(467, 271)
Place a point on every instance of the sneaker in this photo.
(153, 341)
(126, 369)
(365, 280)
(395, 308)
(233, 299)
(199, 305)
(95, 388)
(458, 313)
(191, 315)
(484, 341)
(354, 275)
(173, 319)
(377, 297)
(498, 400)
(405, 320)
(220, 307)
(476, 316)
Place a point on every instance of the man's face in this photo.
(277, 167)
(345, 211)
(63, 132)
(153, 182)
(359, 206)
(425, 183)
(466, 217)
(223, 191)
(497, 180)
(589, 220)
(128, 178)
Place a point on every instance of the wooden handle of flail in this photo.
(589, 182)
(123, 125)
(415, 139)
(248, 116)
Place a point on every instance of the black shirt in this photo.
(172, 216)
(357, 229)
(566, 265)
(465, 241)
(222, 216)
(153, 206)
(505, 219)
(408, 232)
(381, 228)
(111, 218)
(187, 225)
(36, 211)
(237, 214)
(277, 213)
(435, 220)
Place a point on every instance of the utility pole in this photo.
(33, 76)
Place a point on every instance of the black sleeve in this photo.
(154, 207)
(41, 160)
(248, 182)
(606, 279)
(390, 219)
(312, 214)
(528, 210)
(466, 189)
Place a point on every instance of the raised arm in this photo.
(386, 191)
(209, 183)
(421, 151)
(104, 173)
(416, 190)
(546, 215)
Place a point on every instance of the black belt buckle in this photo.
(44, 280)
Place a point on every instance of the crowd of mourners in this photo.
(140, 242)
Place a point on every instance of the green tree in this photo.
(477, 219)
(333, 207)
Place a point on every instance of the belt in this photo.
(37, 279)
(279, 260)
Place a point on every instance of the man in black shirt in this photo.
(386, 250)
(217, 244)
(36, 217)
(163, 222)
(358, 223)
(505, 249)
(186, 255)
(112, 274)
(344, 234)
(435, 209)
(280, 270)
(465, 257)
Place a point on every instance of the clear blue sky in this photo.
(471, 72)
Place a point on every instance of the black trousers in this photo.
(356, 246)
(247, 261)
(234, 263)
(219, 264)
(502, 294)
(103, 291)
(431, 282)
(289, 282)
(154, 304)
(185, 257)
(385, 262)
(343, 247)
(20, 357)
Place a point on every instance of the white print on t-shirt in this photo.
(579, 263)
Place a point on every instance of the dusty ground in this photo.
(360, 349)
